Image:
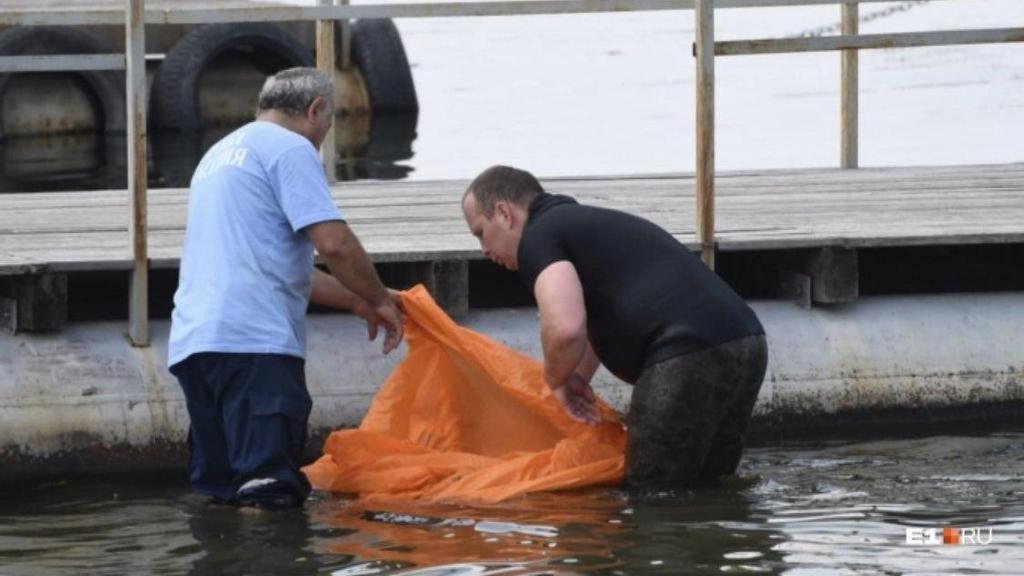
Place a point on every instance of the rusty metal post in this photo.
(849, 91)
(704, 51)
(135, 65)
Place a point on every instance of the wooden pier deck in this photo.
(411, 221)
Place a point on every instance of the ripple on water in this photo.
(808, 510)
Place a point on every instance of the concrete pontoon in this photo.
(84, 395)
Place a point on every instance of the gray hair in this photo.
(292, 91)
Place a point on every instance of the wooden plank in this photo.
(196, 12)
(135, 53)
(345, 30)
(19, 216)
(868, 41)
(942, 206)
(61, 62)
(848, 91)
(704, 52)
(325, 59)
(420, 221)
(101, 12)
(924, 177)
(783, 3)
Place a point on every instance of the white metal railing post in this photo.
(704, 51)
(849, 91)
(325, 63)
(135, 85)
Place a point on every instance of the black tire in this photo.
(105, 88)
(178, 153)
(175, 94)
(378, 52)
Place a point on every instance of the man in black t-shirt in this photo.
(617, 290)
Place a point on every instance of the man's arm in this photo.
(589, 364)
(328, 291)
(568, 358)
(357, 281)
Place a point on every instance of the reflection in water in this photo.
(368, 148)
(711, 530)
(839, 509)
(75, 161)
(236, 542)
(540, 529)
(708, 531)
(389, 142)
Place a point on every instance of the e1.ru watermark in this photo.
(949, 536)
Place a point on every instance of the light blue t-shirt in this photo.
(245, 270)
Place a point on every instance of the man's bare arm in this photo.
(563, 321)
(354, 272)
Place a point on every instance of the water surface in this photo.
(603, 94)
(839, 509)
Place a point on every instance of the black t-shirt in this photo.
(647, 297)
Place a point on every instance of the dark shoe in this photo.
(266, 493)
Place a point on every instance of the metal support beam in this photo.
(135, 57)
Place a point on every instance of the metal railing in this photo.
(135, 17)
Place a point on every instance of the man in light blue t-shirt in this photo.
(258, 205)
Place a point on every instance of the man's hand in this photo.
(354, 272)
(396, 295)
(387, 314)
(390, 315)
(578, 400)
(328, 291)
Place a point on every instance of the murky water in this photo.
(840, 509)
(601, 94)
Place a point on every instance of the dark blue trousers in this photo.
(249, 414)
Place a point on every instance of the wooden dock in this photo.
(414, 221)
(808, 214)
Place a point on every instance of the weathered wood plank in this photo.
(868, 41)
(325, 62)
(135, 53)
(29, 12)
(848, 91)
(420, 221)
(704, 52)
(61, 62)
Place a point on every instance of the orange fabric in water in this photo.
(463, 418)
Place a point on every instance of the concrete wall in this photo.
(84, 399)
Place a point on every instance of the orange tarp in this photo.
(463, 418)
